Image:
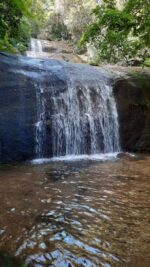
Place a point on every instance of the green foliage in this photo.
(68, 19)
(23, 6)
(39, 10)
(19, 20)
(120, 34)
(15, 25)
(57, 29)
(24, 34)
(10, 17)
(147, 62)
(6, 46)
(140, 10)
(110, 3)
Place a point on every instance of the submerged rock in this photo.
(7, 260)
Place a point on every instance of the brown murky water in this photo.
(77, 214)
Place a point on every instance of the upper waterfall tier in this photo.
(58, 50)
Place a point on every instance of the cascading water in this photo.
(40, 125)
(40, 132)
(82, 118)
(35, 48)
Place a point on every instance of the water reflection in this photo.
(81, 214)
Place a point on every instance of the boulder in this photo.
(132, 94)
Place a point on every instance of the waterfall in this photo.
(40, 131)
(82, 118)
(35, 48)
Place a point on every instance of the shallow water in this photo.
(80, 213)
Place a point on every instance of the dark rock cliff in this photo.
(19, 79)
(17, 111)
(133, 101)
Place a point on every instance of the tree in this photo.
(120, 34)
(14, 28)
(70, 18)
(18, 21)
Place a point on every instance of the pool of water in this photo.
(83, 213)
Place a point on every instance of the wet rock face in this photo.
(133, 103)
(17, 111)
(19, 79)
